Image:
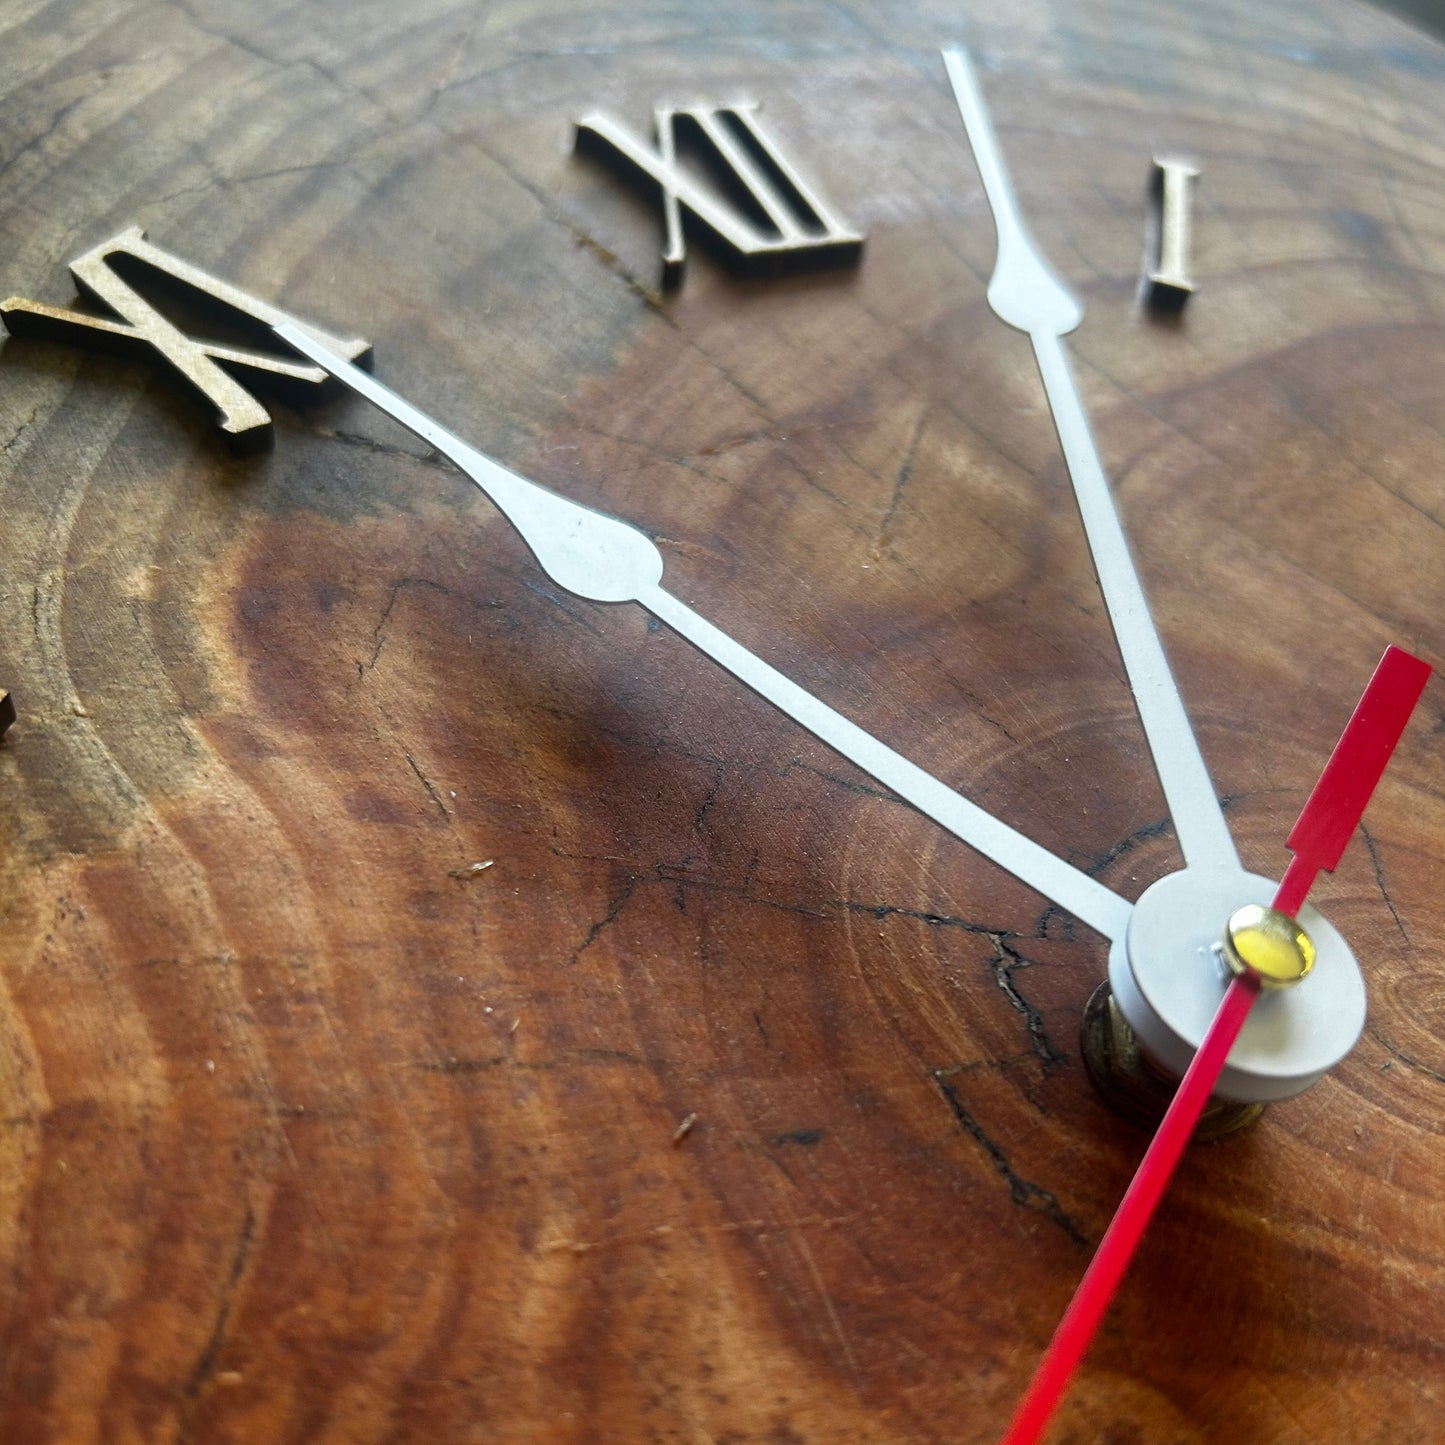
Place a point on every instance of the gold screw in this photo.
(1268, 946)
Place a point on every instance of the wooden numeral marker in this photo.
(1170, 186)
(764, 212)
(142, 329)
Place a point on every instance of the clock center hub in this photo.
(1169, 972)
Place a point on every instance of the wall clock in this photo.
(317, 1131)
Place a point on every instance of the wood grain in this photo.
(307, 1139)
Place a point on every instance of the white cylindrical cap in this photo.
(1168, 979)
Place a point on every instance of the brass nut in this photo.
(1268, 946)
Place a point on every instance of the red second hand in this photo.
(1330, 815)
(1333, 809)
(1120, 1240)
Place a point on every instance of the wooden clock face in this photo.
(316, 1131)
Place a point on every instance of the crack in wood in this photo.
(1006, 961)
(1023, 1192)
(1379, 871)
(614, 908)
(431, 791)
(1418, 1066)
(212, 1349)
(899, 483)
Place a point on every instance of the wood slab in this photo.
(315, 1131)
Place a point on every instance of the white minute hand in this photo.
(605, 560)
(1026, 294)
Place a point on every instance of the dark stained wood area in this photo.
(313, 1131)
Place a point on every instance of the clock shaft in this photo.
(1028, 296)
(606, 560)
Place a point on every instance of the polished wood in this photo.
(316, 1131)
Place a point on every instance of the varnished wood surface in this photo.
(306, 1138)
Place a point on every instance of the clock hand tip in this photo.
(1023, 291)
(957, 59)
(309, 345)
(1337, 802)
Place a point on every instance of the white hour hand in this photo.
(1026, 294)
